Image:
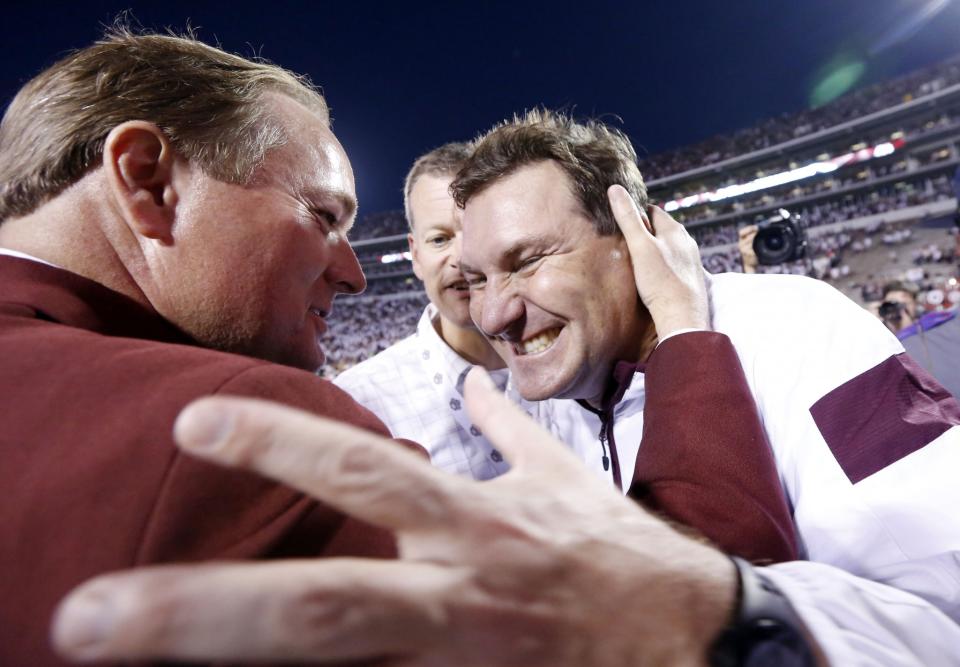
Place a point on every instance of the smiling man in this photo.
(863, 437)
(174, 219)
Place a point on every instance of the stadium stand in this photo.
(870, 176)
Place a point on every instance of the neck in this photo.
(647, 343)
(65, 231)
(469, 343)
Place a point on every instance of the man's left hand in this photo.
(666, 265)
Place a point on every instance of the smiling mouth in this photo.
(542, 341)
(459, 286)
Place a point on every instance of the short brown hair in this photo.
(593, 154)
(205, 100)
(444, 160)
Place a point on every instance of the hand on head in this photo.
(666, 264)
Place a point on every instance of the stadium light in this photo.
(392, 257)
(782, 178)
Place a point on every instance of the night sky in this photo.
(403, 77)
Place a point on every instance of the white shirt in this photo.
(415, 387)
(885, 587)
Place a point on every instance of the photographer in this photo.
(898, 308)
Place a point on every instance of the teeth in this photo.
(539, 343)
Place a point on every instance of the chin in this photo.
(305, 357)
(533, 389)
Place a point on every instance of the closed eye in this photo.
(324, 216)
(528, 262)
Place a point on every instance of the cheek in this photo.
(476, 305)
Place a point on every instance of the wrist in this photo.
(707, 600)
(667, 325)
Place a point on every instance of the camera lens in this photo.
(778, 242)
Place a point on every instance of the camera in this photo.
(891, 312)
(780, 239)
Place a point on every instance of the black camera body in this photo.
(892, 312)
(778, 240)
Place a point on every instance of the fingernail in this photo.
(83, 624)
(203, 426)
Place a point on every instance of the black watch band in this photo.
(765, 629)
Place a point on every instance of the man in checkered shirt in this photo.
(416, 385)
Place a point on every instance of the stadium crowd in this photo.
(883, 199)
(792, 126)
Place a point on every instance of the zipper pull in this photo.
(603, 446)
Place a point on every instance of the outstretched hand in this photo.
(666, 264)
(544, 566)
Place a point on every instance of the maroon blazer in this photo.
(92, 482)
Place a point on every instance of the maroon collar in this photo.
(49, 293)
(616, 387)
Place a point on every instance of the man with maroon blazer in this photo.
(174, 225)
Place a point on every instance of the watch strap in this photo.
(765, 628)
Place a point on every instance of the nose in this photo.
(497, 310)
(344, 271)
(455, 246)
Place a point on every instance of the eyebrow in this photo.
(517, 247)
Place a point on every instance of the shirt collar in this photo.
(22, 255)
(454, 367)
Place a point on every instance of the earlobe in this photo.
(139, 164)
(415, 260)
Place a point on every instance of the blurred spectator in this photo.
(899, 306)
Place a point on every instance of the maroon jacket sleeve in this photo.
(704, 459)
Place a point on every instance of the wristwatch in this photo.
(765, 629)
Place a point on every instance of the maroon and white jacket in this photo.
(867, 446)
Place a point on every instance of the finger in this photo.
(359, 472)
(633, 223)
(332, 610)
(524, 442)
(664, 224)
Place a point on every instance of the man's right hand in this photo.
(666, 265)
(745, 243)
(546, 566)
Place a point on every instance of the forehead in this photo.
(431, 202)
(311, 159)
(534, 204)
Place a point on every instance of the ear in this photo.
(139, 163)
(414, 256)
